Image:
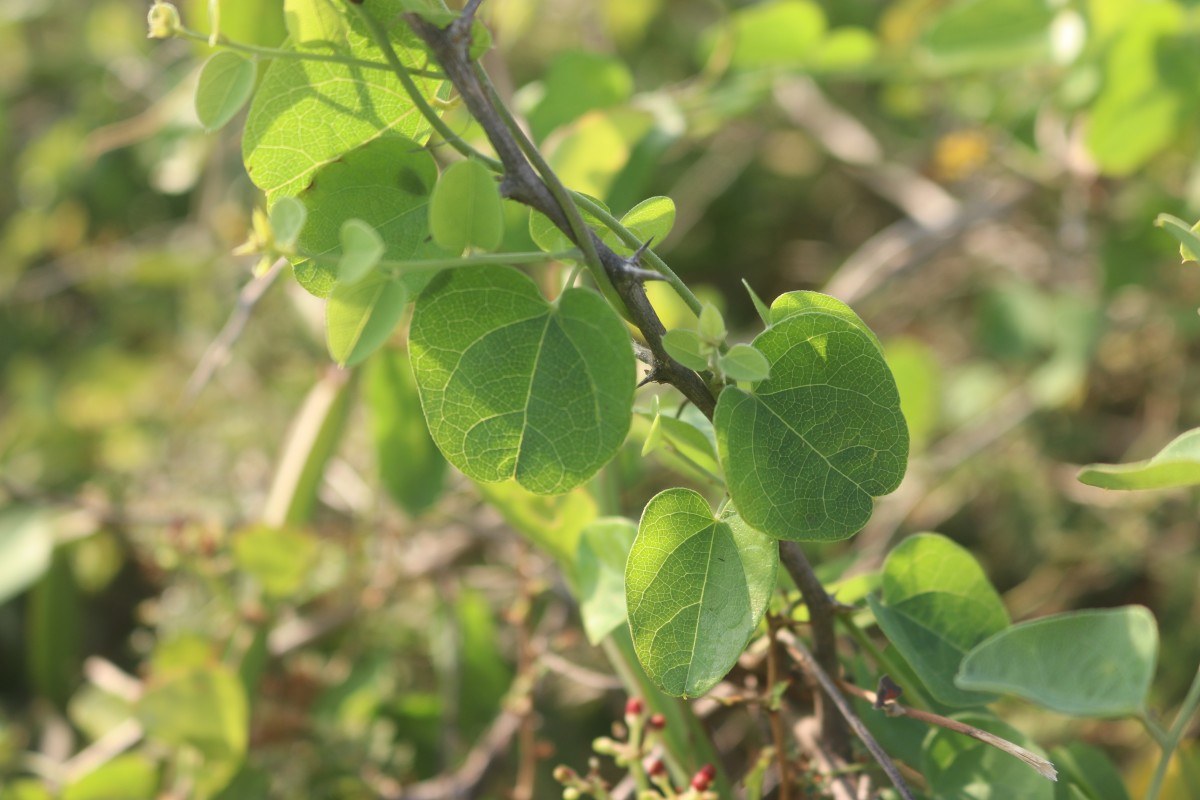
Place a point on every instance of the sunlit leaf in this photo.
(744, 363)
(226, 83)
(278, 558)
(777, 33)
(578, 81)
(361, 250)
(1186, 235)
(26, 542)
(288, 216)
(979, 34)
(360, 317)
(651, 219)
(686, 347)
(131, 776)
(600, 575)
(1177, 464)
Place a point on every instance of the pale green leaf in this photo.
(712, 324)
(336, 107)
(410, 466)
(806, 451)
(280, 559)
(130, 776)
(600, 575)
(918, 376)
(204, 708)
(792, 303)
(687, 439)
(360, 317)
(548, 237)
(578, 81)
(1186, 235)
(287, 217)
(514, 386)
(777, 33)
(744, 363)
(465, 208)
(986, 34)
(1177, 464)
(651, 219)
(935, 604)
(696, 587)
(553, 524)
(846, 49)
(1094, 663)
(764, 313)
(686, 347)
(26, 544)
(226, 83)
(361, 250)
(385, 184)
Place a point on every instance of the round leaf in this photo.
(361, 250)
(465, 208)
(686, 347)
(1096, 663)
(696, 587)
(807, 451)
(651, 219)
(514, 386)
(744, 363)
(226, 83)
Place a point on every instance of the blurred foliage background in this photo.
(229, 570)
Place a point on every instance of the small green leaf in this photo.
(712, 324)
(288, 216)
(465, 210)
(26, 544)
(130, 776)
(361, 250)
(1095, 663)
(918, 376)
(806, 451)
(576, 82)
(686, 347)
(744, 363)
(777, 33)
(553, 524)
(226, 83)
(685, 438)
(360, 317)
(651, 219)
(936, 604)
(1177, 464)
(513, 386)
(548, 237)
(763, 312)
(696, 587)
(600, 574)
(1189, 241)
(280, 559)
(982, 34)
(410, 466)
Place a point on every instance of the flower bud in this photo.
(563, 774)
(634, 707)
(163, 21)
(657, 722)
(656, 767)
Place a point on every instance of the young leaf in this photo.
(686, 347)
(337, 106)
(696, 587)
(777, 33)
(744, 363)
(385, 184)
(936, 604)
(763, 312)
(548, 237)
(465, 208)
(361, 250)
(651, 219)
(513, 386)
(576, 82)
(1095, 663)
(1189, 241)
(1177, 464)
(131, 776)
(360, 317)
(600, 574)
(807, 450)
(686, 439)
(287, 217)
(712, 324)
(226, 83)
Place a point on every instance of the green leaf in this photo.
(465, 208)
(337, 107)
(712, 324)
(360, 317)
(651, 219)
(846, 49)
(807, 450)
(696, 587)
(989, 34)
(552, 524)
(963, 768)
(1096, 663)
(287, 220)
(1177, 464)
(513, 386)
(1189, 241)
(918, 376)
(744, 363)
(226, 83)
(26, 544)
(280, 559)
(385, 184)
(361, 250)
(763, 312)
(127, 777)
(576, 82)
(548, 237)
(935, 605)
(793, 303)
(783, 33)
(600, 575)
(1091, 769)
(410, 466)
(686, 347)
(694, 444)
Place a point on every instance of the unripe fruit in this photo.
(634, 707)
(658, 722)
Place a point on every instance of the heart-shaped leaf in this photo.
(226, 83)
(1177, 464)
(514, 386)
(809, 448)
(696, 587)
(1095, 663)
(936, 604)
(465, 210)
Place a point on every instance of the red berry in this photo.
(708, 771)
(700, 782)
(658, 722)
(634, 707)
(657, 767)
